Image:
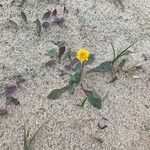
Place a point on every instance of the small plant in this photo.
(83, 58)
(110, 65)
(77, 65)
(28, 140)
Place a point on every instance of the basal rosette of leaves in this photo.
(78, 61)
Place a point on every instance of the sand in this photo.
(91, 24)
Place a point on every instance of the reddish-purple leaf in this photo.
(3, 111)
(9, 90)
(47, 14)
(54, 13)
(59, 20)
(60, 53)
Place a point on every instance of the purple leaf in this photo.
(54, 13)
(60, 53)
(59, 20)
(47, 14)
(9, 90)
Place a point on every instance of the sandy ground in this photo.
(93, 25)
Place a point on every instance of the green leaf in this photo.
(13, 24)
(75, 78)
(114, 52)
(57, 93)
(28, 141)
(94, 99)
(104, 67)
(71, 88)
(91, 59)
(124, 52)
(34, 135)
(52, 53)
(78, 67)
(26, 147)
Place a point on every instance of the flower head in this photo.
(82, 54)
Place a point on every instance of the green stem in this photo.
(82, 67)
(114, 52)
(122, 53)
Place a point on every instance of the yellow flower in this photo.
(82, 54)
